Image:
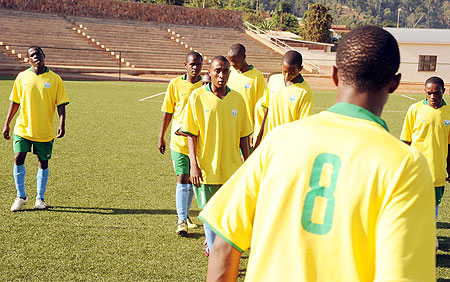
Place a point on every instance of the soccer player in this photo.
(206, 79)
(245, 79)
(332, 197)
(427, 128)
(36, 93)
(175, 100)
(218, 125)
(287, 100)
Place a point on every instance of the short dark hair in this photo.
(368, 58)
(293, 57)
(436, 80)
(38, 48)
(236, 49)
(220, 58)
(194, 55)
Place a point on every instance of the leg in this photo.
(42, 178)
(19, 174)
(182, 196)
(43, 150)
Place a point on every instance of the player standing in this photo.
(287, 100)
(218, 125)
(37, 92)
(245, 79)
(333, 197)
(175, 100)
(427, 128)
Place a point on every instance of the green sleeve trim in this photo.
(14, 102)
(247, 135)
(65, 103)
(221, 236)
(405, 140)
(187, 132)
(264, 106)
(166, 112)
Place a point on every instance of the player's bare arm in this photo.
(223, 262)
(62, 121)
(196, 172)
(261, 131)
(13, 107)
(165, 123)
(245, 147)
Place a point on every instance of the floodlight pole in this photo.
(398, 17)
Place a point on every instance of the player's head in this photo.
(368, 59)
(292, 65)
(236, 56)
(36, 56)
(193, 63)
(206, 79)
(434, 89)
(219, 70)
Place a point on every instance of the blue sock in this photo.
(190, 197)
(437, 211)
(42, 177)
(19, 179)
(181, 197)
(210, 236)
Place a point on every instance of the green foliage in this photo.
(317, 24)
(282, 19)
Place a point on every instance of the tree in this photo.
(283, 19)
(317, 24)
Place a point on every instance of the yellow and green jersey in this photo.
(251, 85)
(219, 125)
(38, 96)
(176, 98)
(349, 203)
(428, 130)
(287, 103)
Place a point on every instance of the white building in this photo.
(423, 53)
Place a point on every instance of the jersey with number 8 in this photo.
(333, 197)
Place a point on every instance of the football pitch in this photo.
(111, 194)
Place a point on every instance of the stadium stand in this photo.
(213, 41)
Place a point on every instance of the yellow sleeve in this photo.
(407, 129)
(260, 86)
(168, 105)
(61, 95)
(16, 91)
(406, 233)
(305, 104)
(190, 123)
(231, 211)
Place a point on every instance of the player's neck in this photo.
(219, 92)
(373, 102)
(39, 70)
(192, 79)
(245, 67)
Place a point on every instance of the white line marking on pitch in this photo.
(140, 100)
(408, 97)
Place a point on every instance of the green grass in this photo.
(112, 195)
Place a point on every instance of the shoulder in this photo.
(54, 75)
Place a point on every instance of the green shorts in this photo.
(204, 193)
(181, 163)
(43, 150)
(439, 192)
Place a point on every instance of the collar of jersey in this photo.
(184, 77)
(208, 88)
(357, 112)
(425, 102)
(46, 69)
(300, 81)
(251, 68)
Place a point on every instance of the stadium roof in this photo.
(420, 35)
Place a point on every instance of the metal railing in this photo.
(280, 44)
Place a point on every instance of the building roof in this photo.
(420, 35)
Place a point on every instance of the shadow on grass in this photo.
(442, 260)
(442, 280)
(442, 225)
(111, 211)
(444, 243)
(242, 272)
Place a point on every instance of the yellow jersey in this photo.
(38, 96)
(250, 84)
(175, 100)
(348, 203)
(428, 130)
(219, 125)
(287, 103)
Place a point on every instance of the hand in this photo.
(196, 175)
(61, 132)
(6, 132)
(162, 145)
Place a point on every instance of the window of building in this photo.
(427, 63)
